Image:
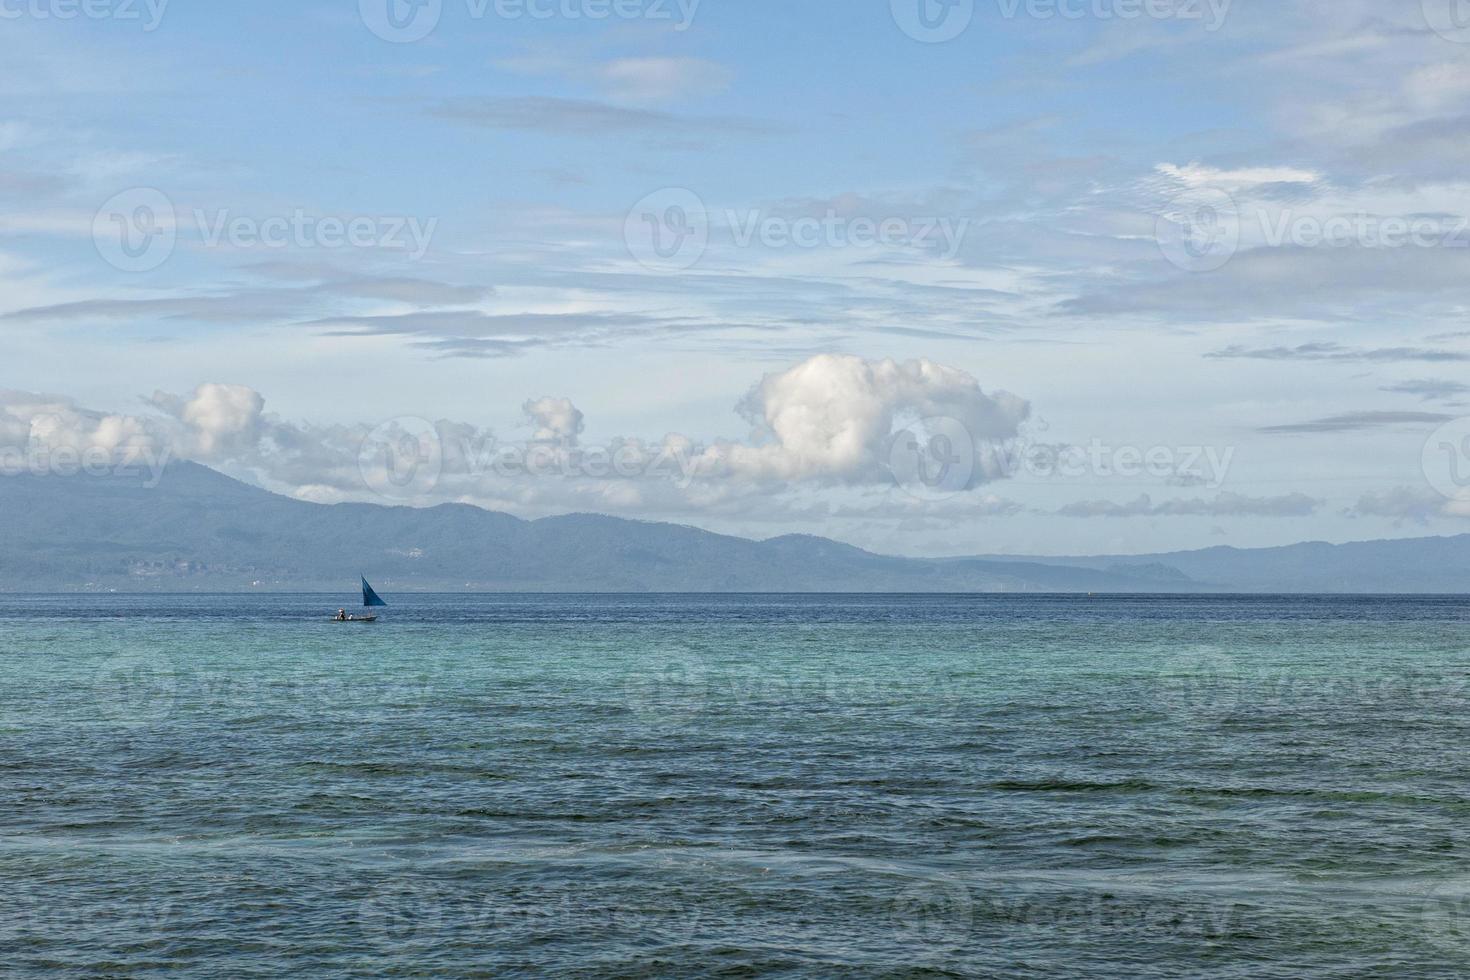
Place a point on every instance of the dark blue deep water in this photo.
(735, 786)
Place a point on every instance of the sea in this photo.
(735, 786)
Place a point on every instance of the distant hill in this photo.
(1439, 565)
(201, 530)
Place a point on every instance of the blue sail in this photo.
(369, 597)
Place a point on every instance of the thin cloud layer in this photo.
(1222, 505)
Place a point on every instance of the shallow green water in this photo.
(1001, 786)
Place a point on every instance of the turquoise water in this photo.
(735, 786)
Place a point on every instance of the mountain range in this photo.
(198, 529)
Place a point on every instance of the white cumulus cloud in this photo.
(832, 418)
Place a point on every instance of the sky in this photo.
(934, 277)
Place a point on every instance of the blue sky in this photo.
(1227, 238)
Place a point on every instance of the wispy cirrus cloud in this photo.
(1359, 421)
(1222, 505)
(592, 119)
(635, 79)
(1338, 352)
(260, 303)
(1429, 389)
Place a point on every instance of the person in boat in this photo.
(341, 615)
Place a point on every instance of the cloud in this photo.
(823, 425)
(832, 419)
(556, 420)
(266, 303)
(42, 424)
(1358, 421)
(221, 420)
(1337, 352)
(586, 118)
(477, 334)
(1223, 505)
(1429, 389)
(1234, 181)
(1325, 282)
(630, 79)
(663, 79)
(1407, 504)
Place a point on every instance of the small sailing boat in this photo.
(370, 600)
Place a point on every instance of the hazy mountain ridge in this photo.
(199, 529)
